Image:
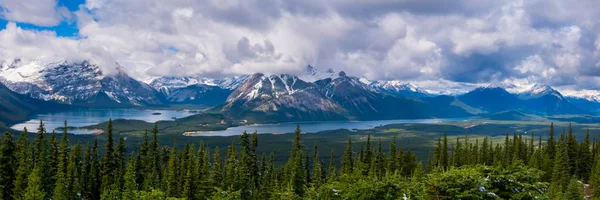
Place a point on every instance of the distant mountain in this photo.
(290, 98)
(589, 104)
(171, 82)
(196, 89)
(15, 107)
(492, 98)
(543, 99)
(401, 89)
(279, 97)
(312, 74)
(79, 83)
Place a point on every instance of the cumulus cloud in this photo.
(38, 12)
(462, 44)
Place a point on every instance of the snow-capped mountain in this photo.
(196, 89)
(491, 98)
(400, 88)
(260, 86)
(343, 97)
(540, 90)
(76, 83)
(312, 74)
(170, 82)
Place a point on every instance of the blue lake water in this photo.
(86, 117)
(311, 127)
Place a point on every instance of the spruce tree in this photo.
(551, 143)
(574, 150)
(8, 163)
(74, 174)
(444, 153)
(231, 168)
(347, 160)
(595, 177)
(120, 162)
(585, 158)
(317, 174)
(61, 188)
(560, 174)
(23, 166)
(297, 179)
(130, 186)
(217, 169)
(574, 190)
(392, 164)
(95, 173)
(109, 170)
(35, 189)
(331, 172)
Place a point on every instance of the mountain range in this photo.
(312, 95)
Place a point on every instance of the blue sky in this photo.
(433, 43)
(66, 28)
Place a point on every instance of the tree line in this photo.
(522, 167)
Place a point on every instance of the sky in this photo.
(434, 43)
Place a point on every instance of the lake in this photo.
(312, 127)
(86, 117)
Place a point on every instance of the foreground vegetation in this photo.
(521, 167)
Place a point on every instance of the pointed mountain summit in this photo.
(545, 100)
(400, 88)
(540, 90)
(492, 98)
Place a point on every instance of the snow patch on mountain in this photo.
(540, 90)
(312, 74)
(183, 81)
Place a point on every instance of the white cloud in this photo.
(485, 41)
(38, 12)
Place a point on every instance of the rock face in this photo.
(342, 97)
(545, 100)
(15, 107)
(196, 90)
(77, 83)
(540, 100)
(491, 99)
(400, 89)
(280, 97)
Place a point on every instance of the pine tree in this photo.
(585, 158)
(61, 189)
(172, 175)
(95, 174)
(444, 153)
(8, 161)
(551, 143)
(392, 164)
(595, 177)
(120, 162)
(35, 189)
(574, 190)
(130, 186)
(74, 174)
(216, 175)
(231, 168)
(42, 159)
(317, 174)
(573, 146)
(109, 169)
(560, 174)
(331, 172)
(347, 160)
(297, 179)
(23, 166)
